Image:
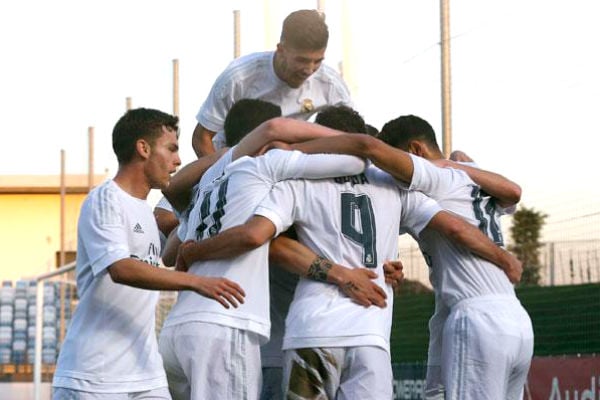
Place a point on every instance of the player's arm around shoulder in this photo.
(230, 243)
(507, 192)
(135, 273)
(467, 235)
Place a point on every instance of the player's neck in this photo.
(133, 181)
(433, 155)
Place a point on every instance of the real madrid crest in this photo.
(307, 106)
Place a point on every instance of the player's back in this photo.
(455, 271)
(226, 197)
(353, 221)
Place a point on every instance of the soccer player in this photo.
(210, 354)
(110, 351)
(480, 301)
(292, 77)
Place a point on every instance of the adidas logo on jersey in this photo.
(138, 228)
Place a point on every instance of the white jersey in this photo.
(228, 201)
(164, 204)
(111, 343)
(454, 271)
(353, 221)
(253, 76)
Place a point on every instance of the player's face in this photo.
(163, 159)
(294, 66)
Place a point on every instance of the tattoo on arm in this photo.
(319, 269)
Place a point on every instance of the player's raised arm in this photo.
(396, 162)
(280, 129)
(507, 192)
(229, 243)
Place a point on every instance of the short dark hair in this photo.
(139, 123)
(305, 30)
(400, 131)
(371, 130)
(342, 118)
(245, 115)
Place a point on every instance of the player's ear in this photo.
(415, 147)
(280, 48)
(143, 148)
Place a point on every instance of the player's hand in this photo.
(358, 284)
(182, 262)
(222, 290)
(513, 268)
(393, 273)
(460, 156)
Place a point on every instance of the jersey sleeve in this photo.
(434, 181)
(221, 97)
(295, 164)
(339, 94)
(278, 207)
(417, 211)
(104, 232)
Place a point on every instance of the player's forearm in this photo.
(507, 192)
(169, 255)
(281, 129)
(356, 283)
(292, 130)
(231, 242)
(298, 259)
(138, 274)
(396, 162)
(475, 241)
(352, 144)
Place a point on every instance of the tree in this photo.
(525, 232)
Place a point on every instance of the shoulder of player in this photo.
(248, 65)
(105, 192)
(327, 73)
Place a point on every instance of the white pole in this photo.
(90, 158)
(176, 87)
(63, 195)
(446, 90)
(37, 363)
(236, 33)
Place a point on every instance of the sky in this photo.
(525, 84)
